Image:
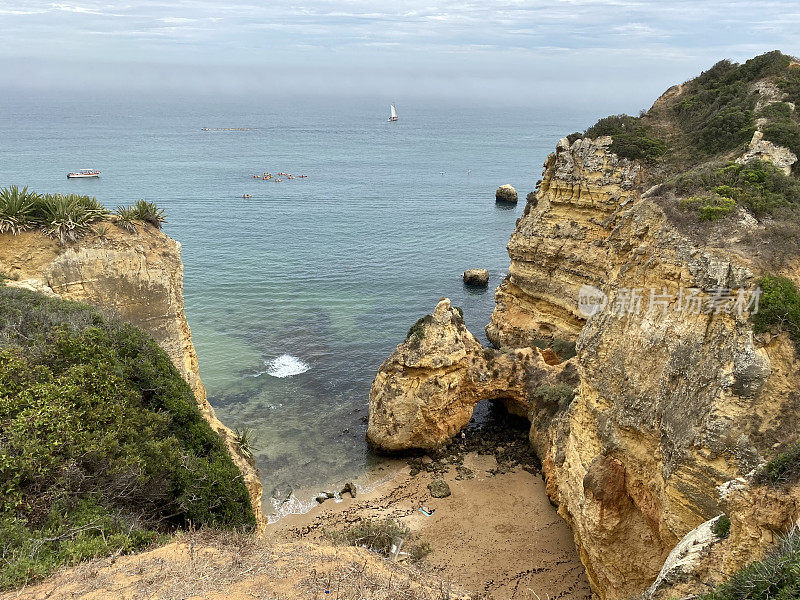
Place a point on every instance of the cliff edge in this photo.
(139, 278)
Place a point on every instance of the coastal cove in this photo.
(296, 295)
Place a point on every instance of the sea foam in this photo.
(286, 365)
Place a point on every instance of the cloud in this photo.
(458, 39)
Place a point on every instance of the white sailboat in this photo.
(393, 116)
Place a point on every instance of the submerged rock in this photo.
(506, 193)
(439, 488)
(476, 277)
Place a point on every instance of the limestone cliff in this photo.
(442, 362)
(135, 276)
(676, 395)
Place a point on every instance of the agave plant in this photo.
(150, 213)
(126, 218)
(64, 217)
(16, 209)
(94, 209)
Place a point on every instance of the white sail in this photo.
(394, 112)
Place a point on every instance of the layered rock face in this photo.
(425, 392)
(583, 186)
(135, 276)
(676, 395)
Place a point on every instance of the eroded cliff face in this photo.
(135, 276)
(442, 363)
(676, 396)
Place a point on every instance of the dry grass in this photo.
(232, 566)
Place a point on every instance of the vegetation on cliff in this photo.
(776, 577)
(67, 217)
(693, 134)
(102, 446)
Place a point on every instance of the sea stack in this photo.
(476, 277)
(506, 193)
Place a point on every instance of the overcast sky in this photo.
(515, 52)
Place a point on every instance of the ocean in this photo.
(297, 294)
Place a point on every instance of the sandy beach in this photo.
(496, 535)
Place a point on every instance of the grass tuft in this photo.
(381, 536)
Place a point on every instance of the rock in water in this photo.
(349, 488)
(506, 193)
(439, 488)
(476, 277)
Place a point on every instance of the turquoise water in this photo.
(324, 274)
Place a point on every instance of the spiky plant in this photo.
(102, 230)
(126, 218)
(64, 217)
(94, 209)
(244, 439)
(149, 212)
(16, 209)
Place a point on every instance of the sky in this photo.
(516, 52)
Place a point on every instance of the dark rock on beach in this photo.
(439, 488)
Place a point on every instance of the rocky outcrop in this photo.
(583, 187)
(426, 391)
(761, 149)
(476, 277)
(675, 394)
(506, 193)
(135, 276)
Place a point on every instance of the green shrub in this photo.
(779, 307)
(721, 527)
(564, 348)
(558, 396)
(783, 469)
(784, 134)
(759, 186)
(777, 111)
(380, 535)
(630, 138)
(789, 83)
(103, 445)
(775, 577)
(638, 146)
(613, 125)
(417, 331)
(712, 207)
